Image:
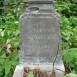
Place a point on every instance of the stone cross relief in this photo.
(40, 39)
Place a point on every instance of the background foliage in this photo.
(68, 12)
(10, 31)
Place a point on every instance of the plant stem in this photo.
(56, 56)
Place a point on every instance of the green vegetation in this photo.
(10, 31)
(9, 38)
(9, 44)
(71, 75)
(70, 58)
(68, 12)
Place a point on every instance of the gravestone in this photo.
(40, 39)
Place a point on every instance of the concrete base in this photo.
(59, 69)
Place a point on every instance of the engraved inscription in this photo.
(40, 37)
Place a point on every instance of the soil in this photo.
(38, 73)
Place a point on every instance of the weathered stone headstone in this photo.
(40, 38)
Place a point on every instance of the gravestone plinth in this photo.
(40, 38)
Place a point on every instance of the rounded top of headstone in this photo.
(41, 1)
